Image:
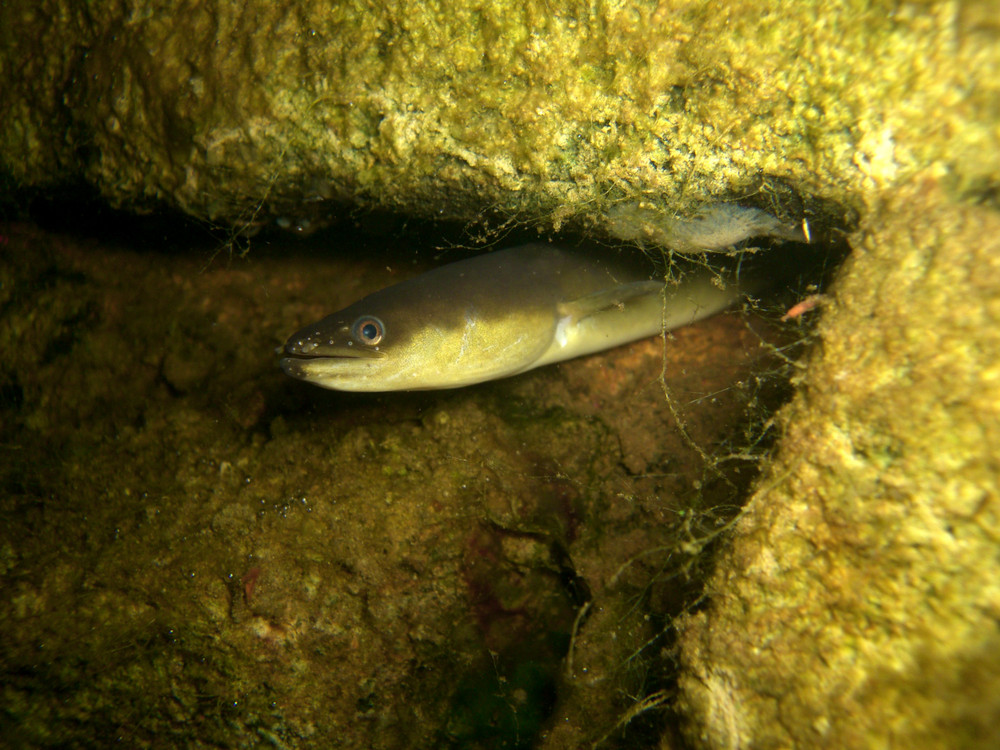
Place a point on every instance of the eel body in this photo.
(496, 315)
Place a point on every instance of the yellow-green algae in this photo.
(859, 603)
(546, 111)
(553, 114)
(197, 551)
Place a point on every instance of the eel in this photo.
(496, 315)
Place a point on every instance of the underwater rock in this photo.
(254, 113)
(858, 603)
(196, 549)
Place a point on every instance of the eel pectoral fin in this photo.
(607, 300)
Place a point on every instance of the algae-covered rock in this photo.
(548, 112)
(198, 551)
(199, 554)
(859, 603)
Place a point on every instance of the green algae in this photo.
(547, 113)
(172, 497)
(857, 601)
(201, 549)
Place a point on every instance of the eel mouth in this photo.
(306, 350)
(324, 360)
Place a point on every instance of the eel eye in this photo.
(368, 330)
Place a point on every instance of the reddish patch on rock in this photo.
(250, 581)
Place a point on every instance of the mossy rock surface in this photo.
(857, 605)
(543, 112)
(194, 547)
(199, 551)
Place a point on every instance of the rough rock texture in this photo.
(859, 604)
(198, 551)
(548, 112)
(193, 553)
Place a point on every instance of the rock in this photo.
(858, 604)
(255, 112)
